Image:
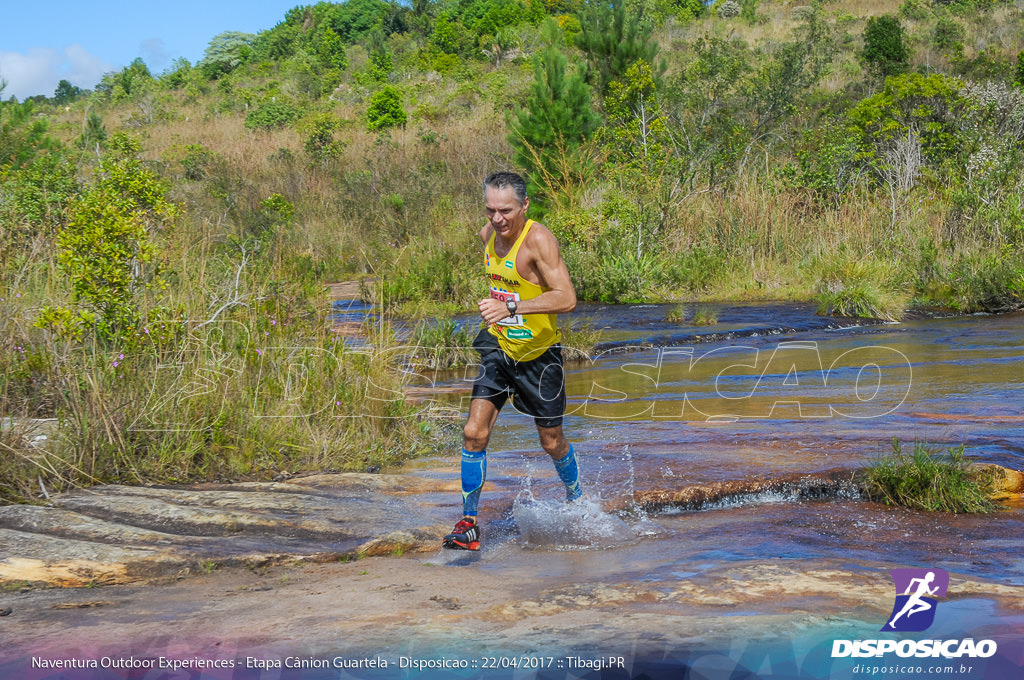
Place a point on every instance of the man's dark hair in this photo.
(504, 180)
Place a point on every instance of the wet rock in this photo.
(81, 605)
(36, 558)
(226, 513)
(842, 483)
(119, 534)
(446, 602)
(575, 597)
(424, 539)
(831, 484)
(1007, 484)
(65, 523)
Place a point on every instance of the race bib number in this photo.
(516, 320)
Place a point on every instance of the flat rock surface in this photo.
(301, 567)
(119, 534)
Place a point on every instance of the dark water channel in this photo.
(767, 391)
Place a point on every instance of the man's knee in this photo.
(475, 436)
(553, 441)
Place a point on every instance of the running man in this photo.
(519, 351)
(915, 604)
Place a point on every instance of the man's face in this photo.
(504, 211)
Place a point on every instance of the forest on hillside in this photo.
(166, 239)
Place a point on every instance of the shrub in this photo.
(914, 9)
(197, 161)
(885, 46)
(385, 110)
(803, 13)
(948, 33)
(579, 341)
(320, 143)
(987, 283)
(270, 115)
(106, 244)
(729, 9)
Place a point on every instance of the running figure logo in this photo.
(916, 593)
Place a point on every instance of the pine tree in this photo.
(558, 118)
(613, 41)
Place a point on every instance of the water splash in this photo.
(580, 525)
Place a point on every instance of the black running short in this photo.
(537, 387)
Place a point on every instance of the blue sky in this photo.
(43, 41)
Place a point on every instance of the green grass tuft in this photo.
(930, 480)
(855, 286)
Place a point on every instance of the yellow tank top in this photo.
(523, 337)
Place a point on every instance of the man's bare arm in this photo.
(548, 263)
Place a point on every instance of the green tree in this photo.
(638, 140)
(352, 20)
(637, 130)
(613, 40)
(910, 102)
(66, 93)
(885, 51)
(105, 247)
(130, 81)
(330, 49)
(948, 33)
(226, 52)
(748, 10)
(23, 135)
(385, 110)
(705, 107)
(1019, 71)
(381, 61)
(177, 75)
(270, 115)
(451, 37)
(548, 132)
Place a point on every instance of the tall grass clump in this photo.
(861, 286)
(443, 345)
(24, 463)
(925, 479)
(244, 396)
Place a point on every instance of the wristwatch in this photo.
(511, 306)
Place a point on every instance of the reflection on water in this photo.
(770, 390)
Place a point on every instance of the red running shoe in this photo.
(465, 536)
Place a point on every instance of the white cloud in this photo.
(83, 68)
(29, 74)
(39, 71)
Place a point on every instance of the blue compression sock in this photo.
(569, 472)
(474, 472)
